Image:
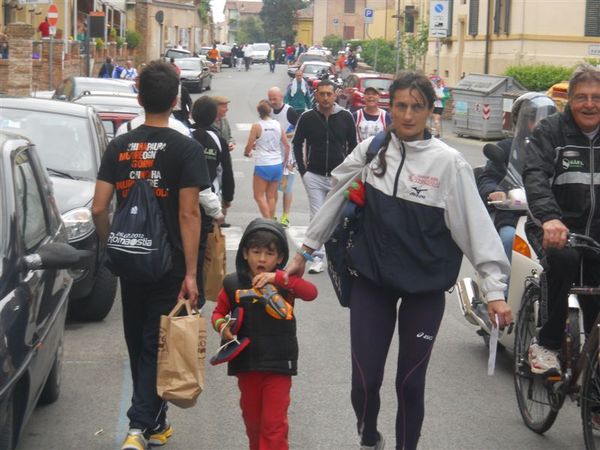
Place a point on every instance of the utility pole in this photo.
(397, 16)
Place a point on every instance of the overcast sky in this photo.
(218, 5)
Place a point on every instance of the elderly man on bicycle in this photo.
(562, 182)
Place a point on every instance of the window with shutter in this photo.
(592, 18)
(473, 17)
(349, 6)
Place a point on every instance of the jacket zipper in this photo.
(326, 146)
(397, 179)
(588, 226)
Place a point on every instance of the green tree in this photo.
(538, 77)
(250, 30)
(333, 42)
(204, 14)
(133, 38)
(279, 18)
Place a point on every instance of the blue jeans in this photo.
(507, 234)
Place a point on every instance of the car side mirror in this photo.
(205, 69)
(55, 255)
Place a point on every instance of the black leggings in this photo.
(373, 312)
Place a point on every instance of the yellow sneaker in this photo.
(160, 437)
(135, 440)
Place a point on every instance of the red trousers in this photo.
(264, 401)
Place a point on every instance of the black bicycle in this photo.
(540, 397)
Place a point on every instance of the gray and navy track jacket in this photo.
(420, 218)
(561, 175)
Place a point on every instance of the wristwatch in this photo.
(307, 256)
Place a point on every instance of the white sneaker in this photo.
(543, 360)
(317, 266)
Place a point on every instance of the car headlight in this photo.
(79, 223)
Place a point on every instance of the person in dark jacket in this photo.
(488, 184)
(330, 135)
(265, 367)
(218, 162)
(183, 107)
(107, 68)
(562, 160)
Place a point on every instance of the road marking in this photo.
(238, 174)
(243, 126)
(233, 235)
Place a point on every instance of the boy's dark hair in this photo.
(204, 111)
(158, 87)
(264, 239)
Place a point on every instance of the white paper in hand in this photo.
(493, 347)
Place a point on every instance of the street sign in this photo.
(594, 49)
(368, 16)
(52, 15)
(439, 18)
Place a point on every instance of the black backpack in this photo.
(340, 272)
(138, 246)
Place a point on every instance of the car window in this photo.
(109, 128)
(63, 142)
(313, 68)
(381, 84)
(261, 47)
(31, 219)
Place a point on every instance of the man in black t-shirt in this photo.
(175, 168)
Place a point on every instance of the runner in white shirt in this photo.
(371, 119)
(287, 118)
(264, 144)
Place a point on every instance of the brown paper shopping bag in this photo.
(215, 264)
(181, 354)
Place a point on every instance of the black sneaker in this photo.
(225, 225)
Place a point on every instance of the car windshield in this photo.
(204, 50)
(177, 54)
(311, 57)
(261, 47)
(314, 68)
(99, 85)
(190, 64)
(381, 84)
(63, 142)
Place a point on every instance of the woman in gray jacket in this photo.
(422, 213)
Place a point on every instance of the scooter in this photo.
(525, 265)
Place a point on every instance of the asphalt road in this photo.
(465, 408)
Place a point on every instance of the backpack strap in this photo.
(376, 145)
(231, 284)
(129, 125)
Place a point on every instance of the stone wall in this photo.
(29, 62)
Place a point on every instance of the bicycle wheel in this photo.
(537, 402)
(590, 401)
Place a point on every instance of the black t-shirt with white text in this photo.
(165, 158)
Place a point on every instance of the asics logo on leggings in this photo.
(422, 335)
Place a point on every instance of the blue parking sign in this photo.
(368, 16)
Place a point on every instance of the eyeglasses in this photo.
(416, 108)
(582, 98)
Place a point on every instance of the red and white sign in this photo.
(52, 15)
(486, 111)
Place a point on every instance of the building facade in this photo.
(490, 35)
(236, 11)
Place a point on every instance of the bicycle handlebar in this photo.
(575, 240)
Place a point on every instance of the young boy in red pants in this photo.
(265, 296)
